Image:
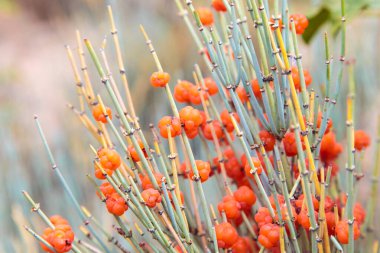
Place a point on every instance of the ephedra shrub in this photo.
(267, 143)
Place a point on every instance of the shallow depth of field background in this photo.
(36, 78)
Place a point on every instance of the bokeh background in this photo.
(36, 78)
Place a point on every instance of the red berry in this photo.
(116, 204)
(246, 197)
(212, 87)
(107, 189)
(207, 130)
(290, 144)
(58, 220)
(300, 22)
(263, 217)
(190, 117)
(227, 122)
(182, 91)
(230, 207)
(231, 165)
(151, 197)
(297, 80)
(299, 202)
(147, 184)
(204, 170)
(362, 140)
(60, 238)
(99, 174)
(219, 5)
(359, 213)
(226, 235)
(304, 220)
(341, 231)
(135, 156)
(256, 162)
(205, 15)
(241, 246)
(269, 236)
(256, 88)
(280, 198)
(109, 159)
(173, 123)
(242, 94)
(319, 122)
(330, 149)
(268, 140)
(195, 95)
(97, 113)
(330, 221)
(159, 79)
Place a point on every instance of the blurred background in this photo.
(36, 78)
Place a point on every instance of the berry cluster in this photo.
(115, 203)
(60, 237)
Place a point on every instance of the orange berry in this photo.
(281, 200)
(269, 236)
(359, 213)
(329, 204)
(319, 122)
(99, 174)
(219, 5)
(147, 184)
(362, 140)
(212, 87)
(195, 95)
(116, 204)
(109, 159)
(341, 231)
(226, 120)
(303, 219)
(97, 113)
(190, 117)
(268, 140)
(58, 220)
(226, 235)
(151, 197)
(241, 246)
(246, 197)
(263, 217)
(330, 221)
(205, 15)
(207, 130)
(256, 162)
(297, 80)
(135, 156)
(230, 207)
(182, 91)
(174, 125)
(285, 214)
(300, 22)
(330, 149)
(159, 79)
(107, 189)
(192, 133)
(300, 200)
(204, 170)
(290, 144)
(231, 165)
(256, 88)
(60, 238)
(242, 94)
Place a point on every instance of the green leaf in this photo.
(322, 16)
